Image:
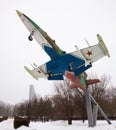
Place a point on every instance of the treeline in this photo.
(67, 104)
(5, 109)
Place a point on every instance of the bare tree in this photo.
(65, 95)
(99, 90)
(100, 93)
(79, 105)
(5, 109)
(111, 102)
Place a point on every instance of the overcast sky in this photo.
(66, 21)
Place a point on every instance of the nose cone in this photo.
(19, 13)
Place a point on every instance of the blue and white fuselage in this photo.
(58, 64)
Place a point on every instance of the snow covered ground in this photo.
(58, 125)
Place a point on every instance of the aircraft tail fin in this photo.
(95, 52)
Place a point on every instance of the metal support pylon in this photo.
(95, 112)
(92, 113)
(89, 109)
(82, 83)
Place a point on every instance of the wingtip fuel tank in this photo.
(103, 45)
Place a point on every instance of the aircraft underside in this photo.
(57, 67)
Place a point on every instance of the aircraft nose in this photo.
(19, 13)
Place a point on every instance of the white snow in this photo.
(59, 125)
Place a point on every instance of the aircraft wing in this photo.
(40, 35)
(92, 53)
(95, 52)
(37, 72)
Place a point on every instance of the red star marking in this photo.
(39, 71)
(89, 53)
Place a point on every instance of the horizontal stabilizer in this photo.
(75, 81)
(92, 81)
(72, 86)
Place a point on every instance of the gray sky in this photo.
(66, 21)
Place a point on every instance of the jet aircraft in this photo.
(77, 62)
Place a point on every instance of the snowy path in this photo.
(58, 125)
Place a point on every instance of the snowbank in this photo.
(59, 125)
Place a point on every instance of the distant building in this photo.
(32, 94)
